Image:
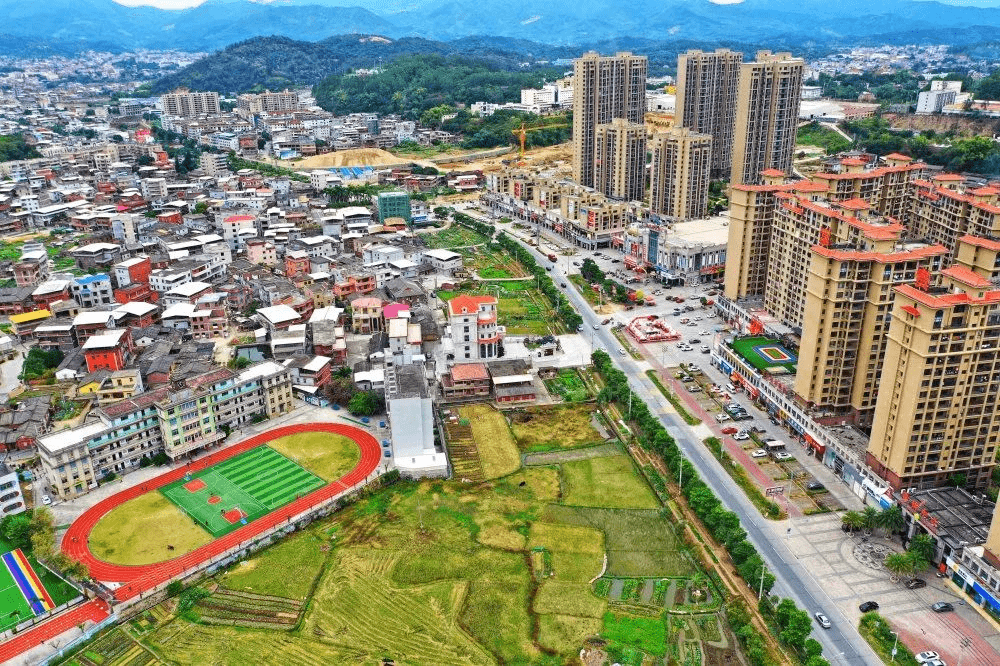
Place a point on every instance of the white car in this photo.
(704, 333)
(621, 351)
(46, 500)
(925, 657)
(759, 453)
(741, 436)
(781, 455)
(722, 417)
(823, 620)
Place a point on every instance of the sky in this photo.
(182, 4)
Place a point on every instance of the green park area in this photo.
(498, 571)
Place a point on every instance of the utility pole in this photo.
(760, 592)
(894, 642)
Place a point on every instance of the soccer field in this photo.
(237, 491)
(13, 606)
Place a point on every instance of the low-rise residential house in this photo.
(96, 256)
(92, 290)
(110, 350)
(366, 315)
(466, 380)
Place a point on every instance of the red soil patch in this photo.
(234, 515)
(214, 499)
(194, 486)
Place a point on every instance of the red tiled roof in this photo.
(952, 177)
(469, 304)
(911, 310)
(966, 276)
(467, 372)
(855, 204)
(772, 172)
(915, 254)
(985, 191)
(946, 300)
(897, 156)
(853, 161)
(980, 242)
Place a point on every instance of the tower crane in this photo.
(522, 133)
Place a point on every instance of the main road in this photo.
(842, 644)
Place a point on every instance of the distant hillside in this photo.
(215, 23)
(274, 62)
(413, 84)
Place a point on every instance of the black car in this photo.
(942, 607)
(868, 606)
(694, 341)
(815, 485)
(916, 584)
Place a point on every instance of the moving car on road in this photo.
(942, 607)
(823, 620)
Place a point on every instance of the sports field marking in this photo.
(27, 580)
(776, 354)
(253, 483)
(14, 608)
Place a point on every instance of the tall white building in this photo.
(474, 329)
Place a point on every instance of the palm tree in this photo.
(892, 519)
(871, 518)
(853, 519)
(900, 565)
(923, 546)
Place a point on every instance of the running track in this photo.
(138, 579)
(94, 611)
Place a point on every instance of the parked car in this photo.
(759, 453)
(722, 417)
(924, 657)
(916, 583)
(705, 349)
(741, 436)
(815, 485)
(46, 500)
(942, 607)
(823, 620)
(868, 606)
(606, 322)
(621, 351)
(730, 430)
(781, 455)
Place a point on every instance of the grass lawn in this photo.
(589, 294)
(327, 455)
(523, 309)
(556, 427)
(139, 531)
(610, 482)
(298, 558)
(497, 451)
(638, 543)
(644, 633)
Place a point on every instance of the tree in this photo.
(892, 519)
(871, 517)
(923, 546)
(853, 519)
(365, 403)
(900, 565)
(17, 530)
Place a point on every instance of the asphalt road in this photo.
(842, 644)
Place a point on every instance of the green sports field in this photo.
(13, 606)
(765, 354)
(237, 491)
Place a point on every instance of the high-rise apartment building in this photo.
(267, 102)
(943, 210)
(767, 113)
(848, 301)
(604, 88)
(620, 160)
(706, 100)
(187, 104)
(936, 415)
(680, 174)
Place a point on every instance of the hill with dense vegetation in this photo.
(411, 85)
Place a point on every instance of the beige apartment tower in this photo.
(680, 174)
(620, 160)
(936, 415)
(767, 112)
(604, 88)
(848, 301)
(187, 104)
(706, 100)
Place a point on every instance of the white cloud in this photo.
(725, 2)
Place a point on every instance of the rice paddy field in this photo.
(548, 428)
(497, 571)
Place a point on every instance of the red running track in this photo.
(95, 611)
(136, 579)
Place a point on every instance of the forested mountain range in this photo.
(215, 23)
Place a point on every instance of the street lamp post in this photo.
(895, 641)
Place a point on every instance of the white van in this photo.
(731, 387)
